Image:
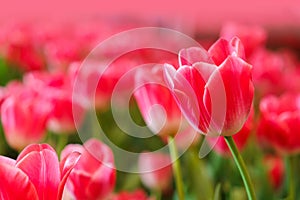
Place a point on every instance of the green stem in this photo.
(242, 167)
(291, 171)
(176, 168)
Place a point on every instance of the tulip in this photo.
(36, 174)
(213, 89)
(20, 48)
(155, 170)
(24, 116)
(279, 123)
(94, 176)
(135, 195)
(272, 71)
(57, 90)
(275, 170)
(156, 102)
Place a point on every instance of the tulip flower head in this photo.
(279, 123)
(24, 115)
(36, 174)
(213, 89)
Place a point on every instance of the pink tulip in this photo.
(156, 170)
(24, 116)
(279, 123)
(156, 102)
(135, 195)
(20, 48)
(56, 88)
(213, 89)
(36, 174)
(94, 176)
(272, 71)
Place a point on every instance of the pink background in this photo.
(208, 15)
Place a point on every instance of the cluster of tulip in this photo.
(238, 97)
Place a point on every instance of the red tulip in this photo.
(279, 124)
(94, 176)
(155, 170)
(240, 138)
(56, 88)
(156, 102)
(24, 115)
(135, 195)
(275, 170)
(36, 174)
(270, 69)
(20, 47)
(213, 89)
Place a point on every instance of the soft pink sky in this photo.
(206, 14)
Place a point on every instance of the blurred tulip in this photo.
(56, 88)
(135, 195)
(270, 69)
(156, 102)
(241, 138)
(252, 37)
(36, 174)
(155, 170)
(95, 80)
(94, 175)
(275, 169)
(62, 51)
(213, 89)
(279, 123)
(24, 116)
(20, 48)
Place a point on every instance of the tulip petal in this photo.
(15, 184)
(42, 167)
(236, 78)
(70, 148)
(192, 55)
(104, 178)
(7, 161)
(66, 167)
(187, 85)
(222, 48)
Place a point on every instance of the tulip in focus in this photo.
(36, 174)
(94, 175)
(213, 89)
